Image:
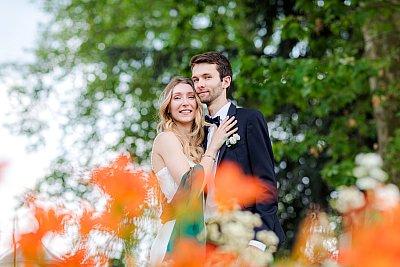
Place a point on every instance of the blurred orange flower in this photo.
(2, 166)
(233, 187)
(48, 220)
(106, 221)
(188, 252)
(86, 222)
(126, 187)
(31, 246)
(222, 258)
(315, 240)
(375, 243)
(75, 259)
(81, 258)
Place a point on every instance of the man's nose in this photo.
(200, 83)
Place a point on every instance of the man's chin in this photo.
(205, 100)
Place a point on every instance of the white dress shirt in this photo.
(211, 209)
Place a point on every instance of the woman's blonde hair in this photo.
(192, 142)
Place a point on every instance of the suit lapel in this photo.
(205, 137)
(231, 112)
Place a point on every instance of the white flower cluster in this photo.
(368, 171)
(232, 140)
(370, 177)
(387, 197)
(232, 231)
(348, 199)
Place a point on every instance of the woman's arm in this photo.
(169, 148)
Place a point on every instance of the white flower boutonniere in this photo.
(232, 140)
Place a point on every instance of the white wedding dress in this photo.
(168, 187)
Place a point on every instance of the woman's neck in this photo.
(184, 129)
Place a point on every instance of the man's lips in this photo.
(202, 93)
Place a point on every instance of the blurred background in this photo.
(324, 73)
(20, 25)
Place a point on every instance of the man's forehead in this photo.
(203, 68)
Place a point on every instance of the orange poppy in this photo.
(31, 246)
(375, 243)
(188, 252)
(233, 187)
(126, 187)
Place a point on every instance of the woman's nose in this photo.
(185, 101)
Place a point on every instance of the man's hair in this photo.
(223, 66)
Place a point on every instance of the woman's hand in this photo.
(218, 139)
(221, 133)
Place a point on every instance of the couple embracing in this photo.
(187, 151)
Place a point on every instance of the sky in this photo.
(19, 25)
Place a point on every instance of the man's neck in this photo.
(214, 107)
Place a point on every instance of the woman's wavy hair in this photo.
(192, 142)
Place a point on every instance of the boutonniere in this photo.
(232, 140)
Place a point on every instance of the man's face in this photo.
(207, 82)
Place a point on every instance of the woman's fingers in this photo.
(227, 120)
(227, 124)
(231, 132)
(230, 125)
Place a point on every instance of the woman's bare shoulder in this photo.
(161, 144)
(166, 139)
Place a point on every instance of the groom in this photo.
(212, 76)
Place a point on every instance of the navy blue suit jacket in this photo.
(253, 152)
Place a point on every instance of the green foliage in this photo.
(392, 154)
(322, 106)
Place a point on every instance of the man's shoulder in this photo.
(248, 112)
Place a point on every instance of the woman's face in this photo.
(183, 105)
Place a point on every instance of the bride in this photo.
(181, 165)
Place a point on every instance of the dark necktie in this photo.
(210, 119)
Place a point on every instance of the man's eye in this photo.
(191, 97)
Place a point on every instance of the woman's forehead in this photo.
(182, 88)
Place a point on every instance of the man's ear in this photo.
(226, 81)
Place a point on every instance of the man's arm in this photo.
(262, 165)
(260, 152)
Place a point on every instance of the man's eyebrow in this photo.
(203, 74)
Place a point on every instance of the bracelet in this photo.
(206, 155)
